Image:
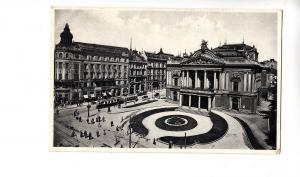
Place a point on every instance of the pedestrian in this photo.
(98, 133)
(73, 134)
(154, 142)
(104, 133)
(79, 118)
(88, 120)
(117, 128)
(98, 119)
(93, 121)
(99, 124)
(103, 119)
(85, 134)
(90, 136)
(111, 123)
(81, 134)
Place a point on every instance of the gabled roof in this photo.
(203, 56)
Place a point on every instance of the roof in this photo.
(240, 46)
(100, 48)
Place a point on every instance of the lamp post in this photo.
(129, 132)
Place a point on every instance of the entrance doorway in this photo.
(194, 101)
(235, 103)
(204, 102)
(175, 96)
(185, 100)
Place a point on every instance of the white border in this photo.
(152, 150)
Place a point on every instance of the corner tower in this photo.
(66, 37)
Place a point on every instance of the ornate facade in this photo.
(138, 72)
(88, 71)
(157, 65)
(227, 77)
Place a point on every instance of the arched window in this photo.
(60, 55)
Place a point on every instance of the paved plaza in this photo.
(112, 129)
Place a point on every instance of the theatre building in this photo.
(225, 77)
(88, 71)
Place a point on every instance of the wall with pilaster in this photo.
(248, 103)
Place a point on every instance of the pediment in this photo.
(199, 60)
(203, 56)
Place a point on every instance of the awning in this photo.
(85, 96)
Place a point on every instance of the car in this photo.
(145, 97)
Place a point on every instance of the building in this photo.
(157, 63)
(137, 72)
(88, 71)
(225, 77)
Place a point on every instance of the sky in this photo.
(175, 31)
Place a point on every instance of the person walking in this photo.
(90, 136)
(85, 134)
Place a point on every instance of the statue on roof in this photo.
(203, 45)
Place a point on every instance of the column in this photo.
(134, 88)
(249, 82)
(140, 87)
(209, 103)
(215, 80)
(196, 78)
(180, 100)
(227, 81)
(190, 100)
(199, 81)
(245, 82)
(213, 102)
(188, 78)
(183, 78)
(122, 91)
(253, 83)
(199, 103)
(220, 80)
(205, 80)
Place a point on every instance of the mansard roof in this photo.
(95, 49)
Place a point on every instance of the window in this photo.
(235, 86)
(176, 82)
(67, 65)
(59, 76)
(67, 55)
(76, 71)
(59, 65)
(66, 76)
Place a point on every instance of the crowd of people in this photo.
(98, 121)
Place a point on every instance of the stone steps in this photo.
(193, 111)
